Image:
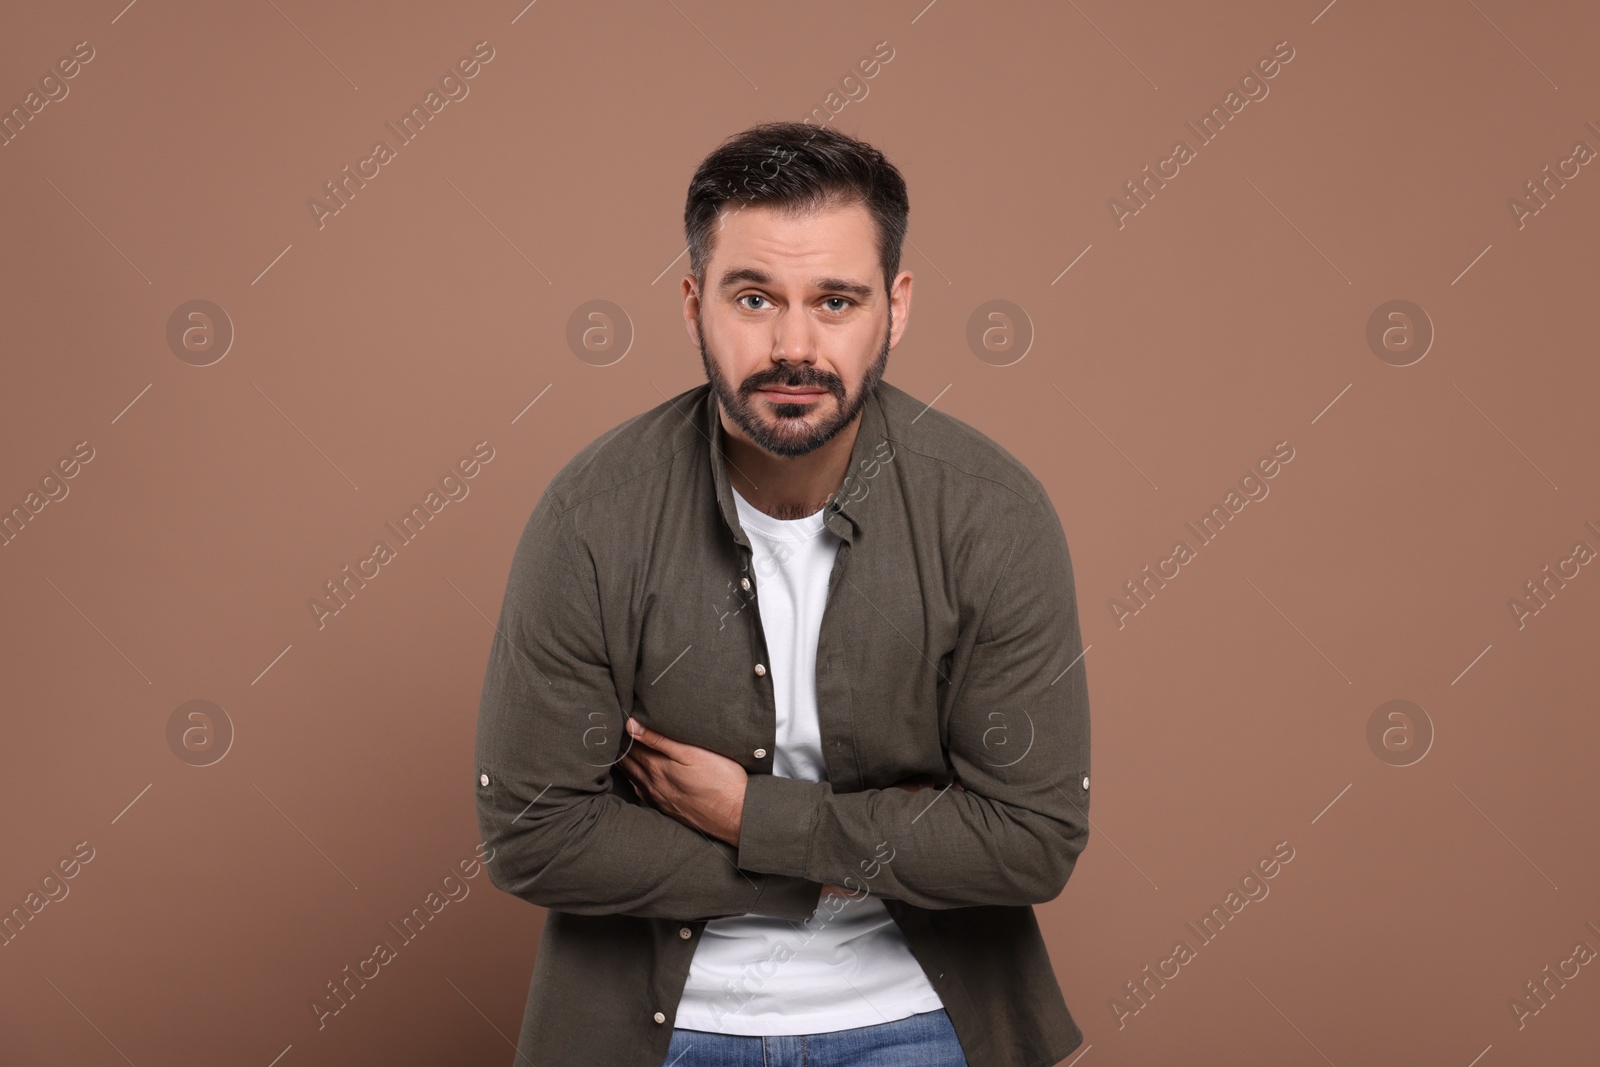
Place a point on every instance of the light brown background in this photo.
(1230, 715)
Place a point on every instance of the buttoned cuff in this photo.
(776, 823)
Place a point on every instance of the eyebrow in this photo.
(750, 274)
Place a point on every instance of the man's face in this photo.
(793, 324)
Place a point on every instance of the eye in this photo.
(841, 300)
(751, 296)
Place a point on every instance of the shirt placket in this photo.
(766, 727)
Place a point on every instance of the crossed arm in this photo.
(713, 841)
(705, 790)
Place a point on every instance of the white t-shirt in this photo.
(840, 969)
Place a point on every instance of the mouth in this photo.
(790, 395)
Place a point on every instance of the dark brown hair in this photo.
(796, 167)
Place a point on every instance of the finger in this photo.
(927, 781)
(642, 790)
(646, 759)
(636, 770)
(660, 742)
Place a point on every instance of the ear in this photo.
(691, 310)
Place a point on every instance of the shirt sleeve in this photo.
(1018, 741)
(549, 727)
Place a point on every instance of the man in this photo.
(743, 634)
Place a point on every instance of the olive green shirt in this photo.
(949, 647)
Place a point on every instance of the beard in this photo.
(792, 433)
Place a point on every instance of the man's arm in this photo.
(1018, 742)
(549, 728)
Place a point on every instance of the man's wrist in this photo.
(776, 821)
(734, 825)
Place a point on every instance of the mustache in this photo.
(795, 380)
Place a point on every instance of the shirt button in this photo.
(760, 670)
(1086, 781)
(744, 583)
(483, 779)
(658, 1017)
(761, 753)
(684, 932)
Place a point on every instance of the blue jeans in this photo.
(924, 1040)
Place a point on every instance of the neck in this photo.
(787, 487)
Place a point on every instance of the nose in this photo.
(792, 340)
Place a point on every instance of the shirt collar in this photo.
(841, 515)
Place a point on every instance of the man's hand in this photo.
(705, 789)
(696, 786)
(912, 784)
